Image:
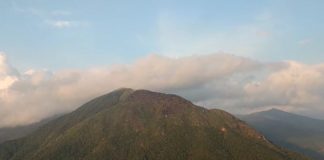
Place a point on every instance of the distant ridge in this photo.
(292, 131)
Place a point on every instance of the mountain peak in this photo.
(275, 110)
(123, 89)
(272, 112)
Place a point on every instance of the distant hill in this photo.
(11, 133)
(144, 125)
(295, 132)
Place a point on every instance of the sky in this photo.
(81, 34)
(240, 56)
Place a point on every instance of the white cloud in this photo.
(225, 81)
(26, 10)
(7, 74)
(60, 24)
(297, 86)
(55, 18)
(6, 82)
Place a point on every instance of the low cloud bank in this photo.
(236, 84)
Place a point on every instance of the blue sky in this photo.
(80, 34)
(271, 54)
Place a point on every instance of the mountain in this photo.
(11, 133)
(295, 132)
(144, 125)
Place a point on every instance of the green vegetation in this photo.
(11, 133)
(144, 125)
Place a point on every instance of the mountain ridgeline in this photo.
(295, 132)
(11, 133)
(143, 125)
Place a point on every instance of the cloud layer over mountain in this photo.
(233, 83)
